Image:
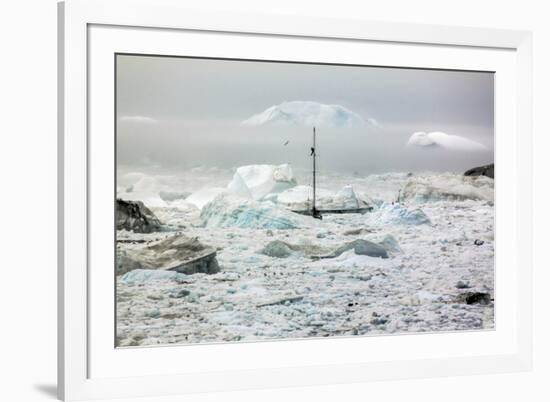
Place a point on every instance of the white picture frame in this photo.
(90, 367)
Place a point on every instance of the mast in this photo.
(314, 154)
(314, 212)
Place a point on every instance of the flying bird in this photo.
(286, 143)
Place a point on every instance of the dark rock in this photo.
(475, 298)
(180, 294)
(131, 241)
(135, 216)
(487, 170)
(478, 242)
(462, 285)
(379, 321)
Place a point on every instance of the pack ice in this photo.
(436, 229)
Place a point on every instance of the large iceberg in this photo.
(238, 186)
(307, 113)
(447, 187)
(228, 210)
(397, 214)
(257, 181)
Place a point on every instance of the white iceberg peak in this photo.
(257, 181)
(308, 113)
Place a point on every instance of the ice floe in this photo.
(391, 244)
(397, 214)
(278, 249)
(227, 210)
(360, 247)
(139, 276)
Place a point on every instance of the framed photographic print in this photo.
(260, 201)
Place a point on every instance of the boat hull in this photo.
(335, 211)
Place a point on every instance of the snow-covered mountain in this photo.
(442, 140)
(307, 113)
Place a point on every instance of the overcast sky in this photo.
(176, 113)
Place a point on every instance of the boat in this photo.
(316, 212)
